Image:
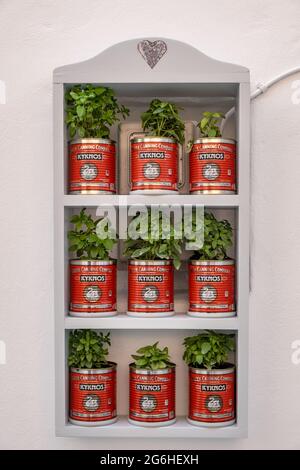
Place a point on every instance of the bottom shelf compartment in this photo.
(124, 343)
(122, 428)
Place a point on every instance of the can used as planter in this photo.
(212, 397)
(93, 396)
(150, 288)
(92, 164)
(154, 165)
(93, 288)
(212, 166)
(152, 396)
(212, 288)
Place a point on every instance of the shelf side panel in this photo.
(243, 136)
(59, 259)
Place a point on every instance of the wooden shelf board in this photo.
(122, 428)
(132, 199)
(176, 322)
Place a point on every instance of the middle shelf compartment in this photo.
(181, 277)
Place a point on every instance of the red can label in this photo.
(92, 287)
(93, 395)
(150, 288)
(211, 287)
(92, 167)
(212, 396)
(154, 166)
(152, 396)
(212, 167)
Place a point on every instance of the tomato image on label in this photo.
(151, 170)
(92, 293)
(213, 403)
(148, 403)
(211, 171)
(88, 172)
(91, 402)
(208, 293)
(150, 293)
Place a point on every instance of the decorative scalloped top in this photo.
(165, 60)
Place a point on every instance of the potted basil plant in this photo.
(153, 249)
(212, 159)
(211, 379)
(93, 273)
(91, 111)
(92, 379)
(212, 272)
(154, 158)
(152, 387)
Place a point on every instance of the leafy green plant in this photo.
(162, 120)
(87, 349)
(91, 239)
(91, 110)
(208, 350)
(151, 357)
(217, 238)
(155, 238)
(209, 125)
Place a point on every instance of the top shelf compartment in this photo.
(192, 105)
(197, 83)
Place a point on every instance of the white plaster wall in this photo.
(36, 37)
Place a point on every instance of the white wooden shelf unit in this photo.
(196, 82)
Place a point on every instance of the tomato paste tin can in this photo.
(93, 396)
(93, 288)
(154, 165)
(152, 396)
(212, 288)
(92, 166)
(212, 396)
(150, 288)
(212, 166)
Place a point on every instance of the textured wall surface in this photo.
(36, 37)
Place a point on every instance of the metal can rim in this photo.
(110, 367)
(227, 370)
(214, 140)
(225, 262)
(171, 367)
(154, 139)
(92, 140)
(90, 262)
(160, 262)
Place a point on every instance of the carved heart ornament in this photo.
(152, 51)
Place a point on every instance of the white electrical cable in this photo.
(260, 89)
